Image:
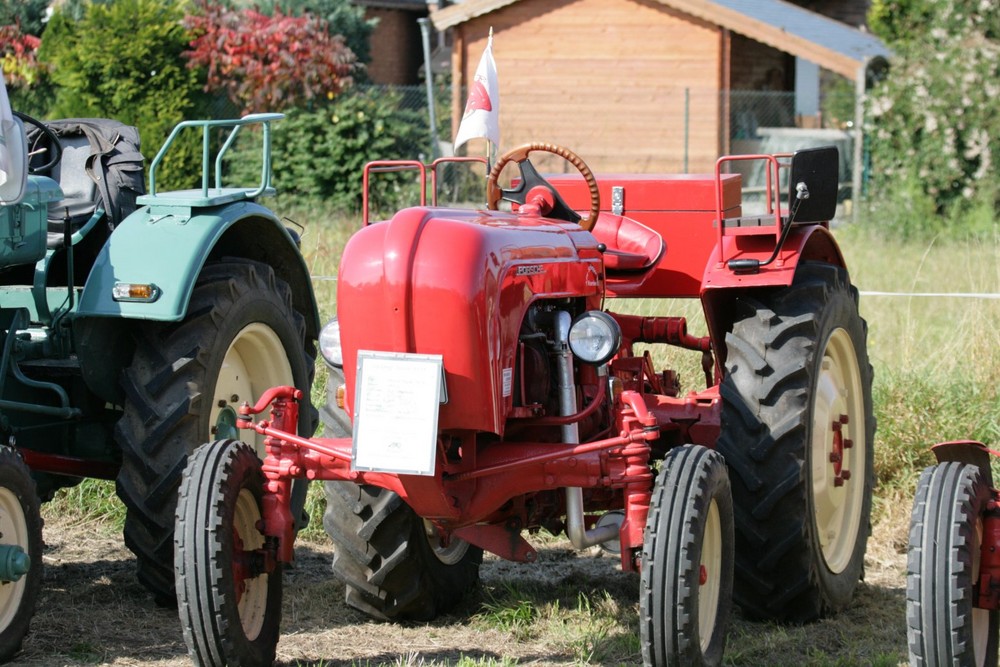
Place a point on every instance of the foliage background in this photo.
(934, 121)
(123, 60)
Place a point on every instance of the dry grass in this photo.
(578, 607)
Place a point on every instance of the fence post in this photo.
(859, 119)
(425, 33)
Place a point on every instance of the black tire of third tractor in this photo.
(943, 626)
(21, 525)
(683, 620)
(227, 617)
(383, 555)
(775, 359)
(168, 405)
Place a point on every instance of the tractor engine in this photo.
(483, 292)
(549, 378)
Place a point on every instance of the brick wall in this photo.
(397, 52)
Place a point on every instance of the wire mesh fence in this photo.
(675, 140)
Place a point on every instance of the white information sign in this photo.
(396, 412)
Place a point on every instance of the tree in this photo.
(898, 21)
(936, 123)
(124, 60)
(27, 79)
(268, 63)
(343, 17)
(27, 15)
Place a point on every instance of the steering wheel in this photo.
(531, 179)
(54, 146)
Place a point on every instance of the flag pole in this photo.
(490, 149)
(482, 108)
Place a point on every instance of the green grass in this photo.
(936, 359)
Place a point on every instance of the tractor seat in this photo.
(631, 246)
(80, 196)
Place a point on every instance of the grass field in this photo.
(937, 373)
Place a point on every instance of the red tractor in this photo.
(953, 560)
(492, 390)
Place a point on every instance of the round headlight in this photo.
(329, 343)
(595, 337)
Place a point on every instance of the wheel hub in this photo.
(14, 562)
(839, 444)
(225, 424)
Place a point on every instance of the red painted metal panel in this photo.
(428, 278)
(679, 207)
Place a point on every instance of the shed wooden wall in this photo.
(605, 78)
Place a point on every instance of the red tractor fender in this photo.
(971, 452)
(721, 286)
(804, 243)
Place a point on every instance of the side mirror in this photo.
(813, 184)
(13, 162)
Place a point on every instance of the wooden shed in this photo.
(640, 85)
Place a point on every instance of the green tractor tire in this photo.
(241, 336)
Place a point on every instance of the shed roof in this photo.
(830, 44)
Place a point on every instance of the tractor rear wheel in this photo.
(944, 626)
(229, 604)
(20, 549)
(241, 336)
(394, 563)
(687, 561)
(797, 434)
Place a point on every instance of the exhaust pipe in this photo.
(576, 530)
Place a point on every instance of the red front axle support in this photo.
(461, 498)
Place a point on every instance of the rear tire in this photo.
(241, 336)
(943, 625)
(394, 566)
(802, 485)
(230, 610)
(687, 561)
(20, 525)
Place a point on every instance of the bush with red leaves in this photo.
(268, 63)
(18, 56)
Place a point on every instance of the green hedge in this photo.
(320, 154)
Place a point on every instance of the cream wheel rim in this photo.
(251, 591)
(709, 576)
(839, 451)
(13, 530)
(254, 362)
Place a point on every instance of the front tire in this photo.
(241, 336)
(229, 605)
(943, 624)
(21, 539)
(797, 434)
(687, 561)
(392, 561)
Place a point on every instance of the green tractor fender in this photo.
(148, 268)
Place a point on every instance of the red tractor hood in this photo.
(458, 283)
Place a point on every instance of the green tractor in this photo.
(133, 323)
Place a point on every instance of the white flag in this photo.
(482, 110)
